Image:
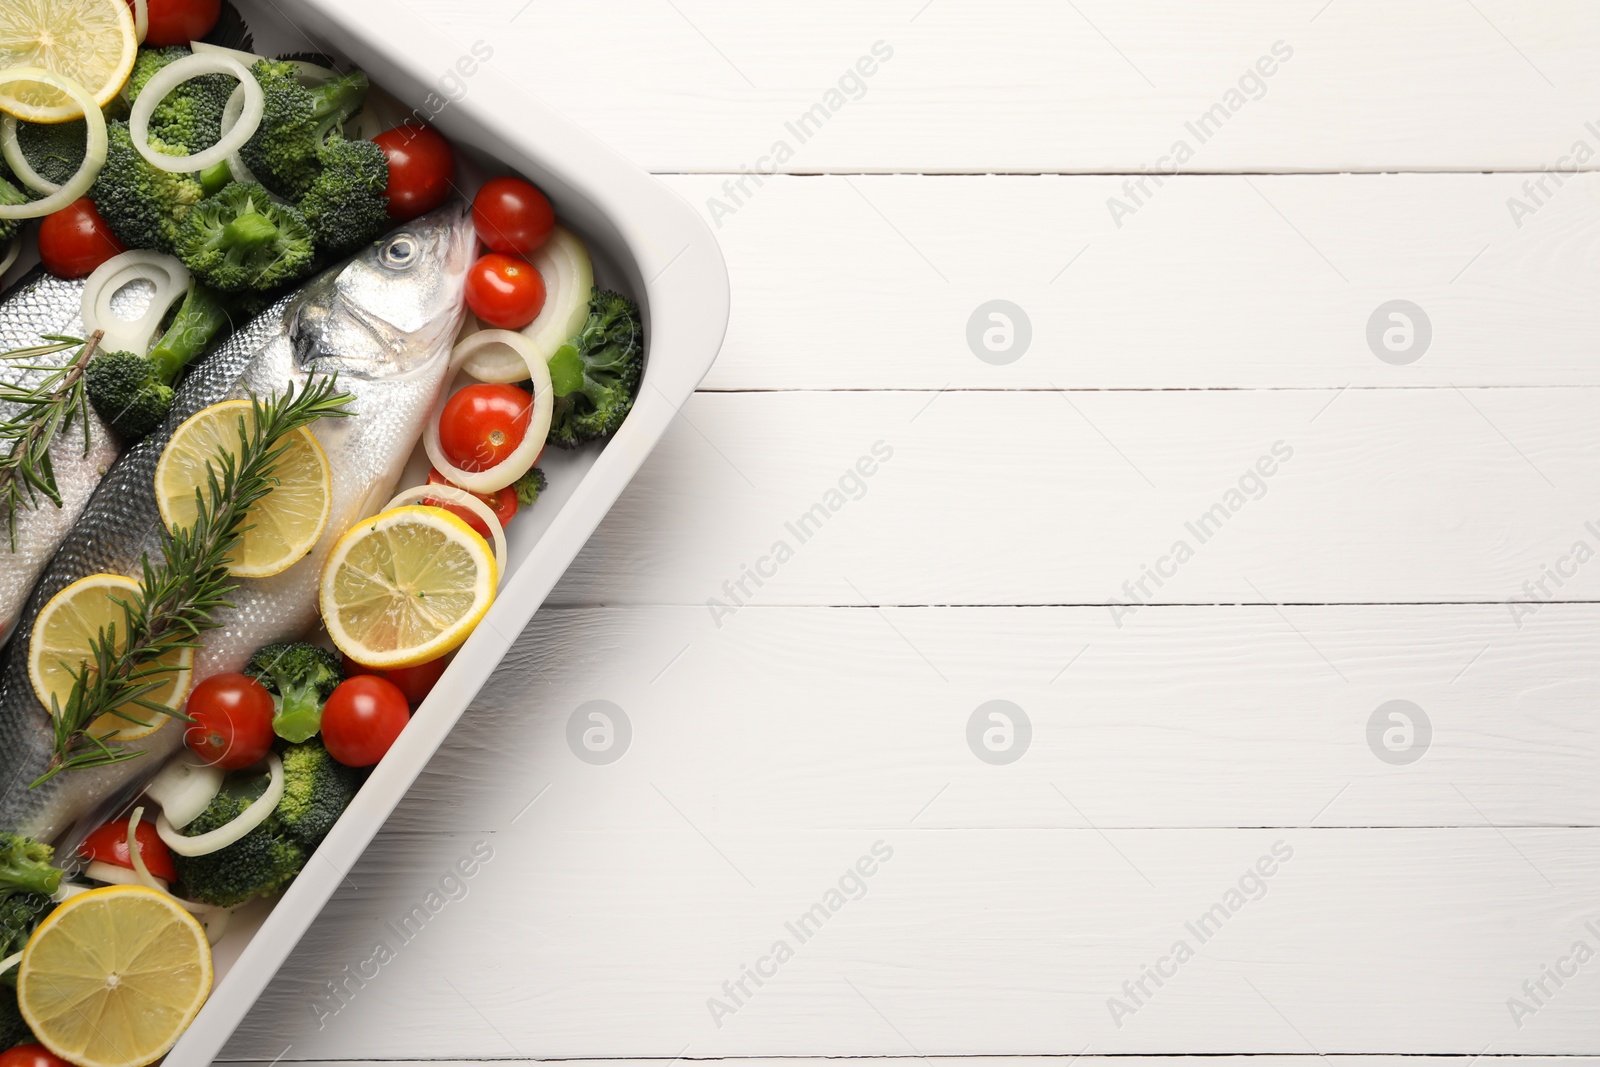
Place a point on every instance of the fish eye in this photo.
(400, 252)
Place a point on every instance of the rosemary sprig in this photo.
(179, 596)
(47, 411)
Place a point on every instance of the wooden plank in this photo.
(801, 719)
(1217, 282)
(568, 942)
(1040, 498)
(1030, 85)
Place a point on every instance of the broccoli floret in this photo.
(13, 1031)
(259, 864)
(595, 374)
(25, 867)
(133, 393)
(316, 790)
(55, 151)
(347, 205)
(143, 206)
(10, 194)
(302, 677)
(529, 486)
(296, 122)
(240, 240)
(190, 115)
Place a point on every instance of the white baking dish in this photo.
(646, 242)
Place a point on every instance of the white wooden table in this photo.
(1226, 505)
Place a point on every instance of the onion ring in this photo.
(170, 77)
(421, 494)
(94, 155)
(11, 254)
(141, 20)
(223, 836)
(526, 454)
(170, 278)
(204, 48)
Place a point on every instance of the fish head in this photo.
(394, 308)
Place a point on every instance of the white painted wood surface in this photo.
(780, 733)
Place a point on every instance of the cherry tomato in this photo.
(109, 844)
(503, 504)
(504, 291)
(31, 1056)
(512, 216)
(421, 164)
(76, 240)
(415, 682)
(362, 719)
(483, 424)
(180, 21)
(232, 725)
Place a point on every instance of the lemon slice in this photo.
(406, 586)
(285, 524)
(114, 976)
(90, 41)
(60, 645)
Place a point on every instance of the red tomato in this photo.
(512, 216)
(76, 240)
(415, 682)
(232, 725)
(504, 291)
(503, 504)
(421, 164)
(31, 1056)
(180, 21)
(109, 844)
(483, 424)
(362, 719)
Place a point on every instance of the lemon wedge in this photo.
(114, 976)
(60, 645)
(285, 524)
(406, 586)
(91, 42)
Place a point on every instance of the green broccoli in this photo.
(283, 152)
(144, 207)
(301, 677)
(133, 393)
(316, 790)
(25, 867)
(529, 486)
(55, 151)
(240, 239)
(347, 205)
(190, 116)
(10, 194)
(596, 373)
(13, 1030)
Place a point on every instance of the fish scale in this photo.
(386, 330)
(38, 305)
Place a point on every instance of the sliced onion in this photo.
(450, 494)
(111, 874)
(184, 789)
(213, 920)
(10, 962)
(223, 836)
(12, 253)
(141, 20)
(170, 77)
(520, 461)
(11, 148)
(94, 156)
(136, 855)
(170, 278)
(68, 890)
(204, 48)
